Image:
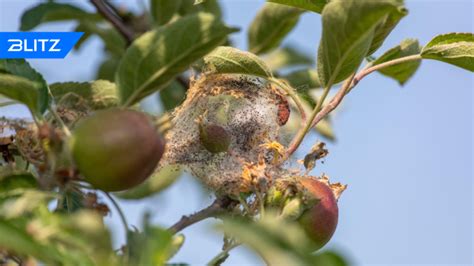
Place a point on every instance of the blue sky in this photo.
(405, 152)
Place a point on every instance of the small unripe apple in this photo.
(214, 137)
(116, 149)
(320, 221)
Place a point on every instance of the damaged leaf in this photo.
(318, 151)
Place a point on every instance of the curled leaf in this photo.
(229, 60)
(318, 151)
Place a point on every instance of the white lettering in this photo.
(16, 47)
(42, 41)
(52, 48)
(25, 46)
(38, 45)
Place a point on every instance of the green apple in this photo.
(116, 149)
(214, 137)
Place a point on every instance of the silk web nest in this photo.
(248, 108)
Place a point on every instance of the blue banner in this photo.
(37, 44)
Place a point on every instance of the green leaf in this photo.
(306, 93)
(159, 181)
(348, 32)
(330, 258)
(107, 69)
(452, 48)
(99, 94)
(271, 24)
(157, 57)
(113, 40)
(72, 201)
(157, 248)
(22, 201)
(400, 72)
(385, 27)
(21, 90)
(310, 5)
(86, 235)
(28, 87)
(172, 95)
(324, 128)
(210, 6)
(303, 79)
(17, 240)
(279, 242)
(162, 11)
(51, 11)
(287, 57)
(59, 239)
(229, 60)
(17, 180)
(293, 208)
(153, 246)
(176, 244)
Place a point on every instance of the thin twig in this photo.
(304, 130)
(350, 83)
(334, 101)
(121, 214)
(106, 12)
(371, 69)
(58, 118)
(116, 11)
(244, 204)
(261, 204)
(219, 206)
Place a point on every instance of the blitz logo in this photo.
(37, 45)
